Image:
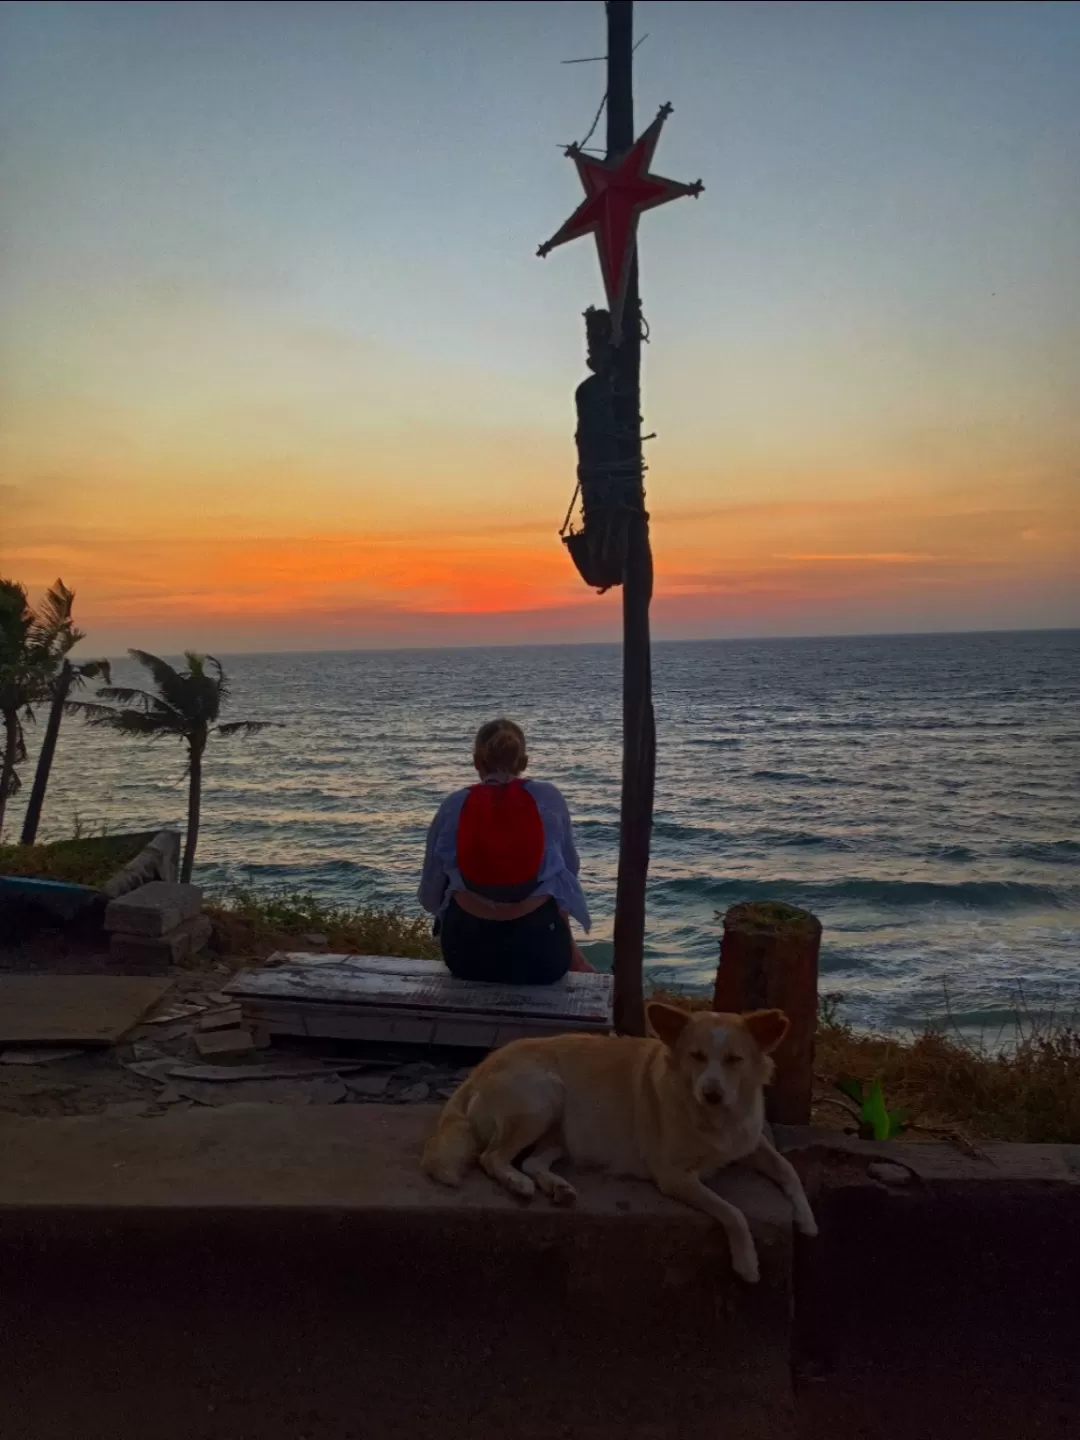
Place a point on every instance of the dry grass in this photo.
(1025, 1090)
(254, 926)
(679, 998)
(1028, 1089)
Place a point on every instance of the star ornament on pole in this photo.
(616, 192)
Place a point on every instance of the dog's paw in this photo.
(745, 1263)
(520, 1185)
(805, 1222)
(563, 1193)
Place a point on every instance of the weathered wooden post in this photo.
(639, 726)
(769, 959)
(613, 547)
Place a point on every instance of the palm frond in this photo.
(143, 700)
(25, 669)
(190, 692)
(165, 676)
(246, 727)
(90, 711)
(90, 670)
(129, 695)
(14, 602)
(54, 632)
(128, 722)
(16, 622)
(79, 707)
(199, 693)
(54, 612)
(224, 689)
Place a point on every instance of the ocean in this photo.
(918, 793)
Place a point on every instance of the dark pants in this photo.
(534, 950)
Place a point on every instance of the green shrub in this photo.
(85, 860)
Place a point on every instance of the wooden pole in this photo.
(639, 731)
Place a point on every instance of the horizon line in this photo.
(617, 644)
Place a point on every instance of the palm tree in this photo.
(55, 634)
(18, 683)
(33, 645)
(185, 704)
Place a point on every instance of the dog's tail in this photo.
(453, 1146)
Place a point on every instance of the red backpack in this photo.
(500, 841)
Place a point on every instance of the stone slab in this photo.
(158, 860)
(153, 910)
(223, 1019)
(224, 1042)
(147, 955)
(74, 1009)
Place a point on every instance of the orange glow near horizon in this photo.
(757, 566)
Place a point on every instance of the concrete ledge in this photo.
(998, 1162)
(357, 1157)
(289, 1271)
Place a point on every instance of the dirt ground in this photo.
(94, 1082)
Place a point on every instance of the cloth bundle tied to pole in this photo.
(610, 474)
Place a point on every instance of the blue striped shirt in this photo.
(559, 869)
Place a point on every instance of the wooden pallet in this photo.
(411, 1002)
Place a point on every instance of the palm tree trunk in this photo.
(48, 749)
(7, 769)
(196, 745)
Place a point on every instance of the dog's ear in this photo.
(666, 1023)
(768, 1028)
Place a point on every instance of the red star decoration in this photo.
(616, 192)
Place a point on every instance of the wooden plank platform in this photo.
(411, 1002)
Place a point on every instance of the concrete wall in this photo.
(283, 1274)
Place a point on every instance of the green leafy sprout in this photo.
(876, 1120)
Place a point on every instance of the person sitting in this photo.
(501, 871)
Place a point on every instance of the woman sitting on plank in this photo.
(501, 871)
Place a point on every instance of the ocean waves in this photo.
(918, 794)
(856, 891)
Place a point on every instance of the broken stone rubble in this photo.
(193, 1052)
(235, 1041)
(285, 1078)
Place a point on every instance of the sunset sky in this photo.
(279, 368)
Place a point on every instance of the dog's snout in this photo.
(712, 1093)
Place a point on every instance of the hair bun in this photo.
(499, 748)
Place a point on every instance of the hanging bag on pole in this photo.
(500, 842)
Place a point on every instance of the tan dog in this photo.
(673, 1110)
